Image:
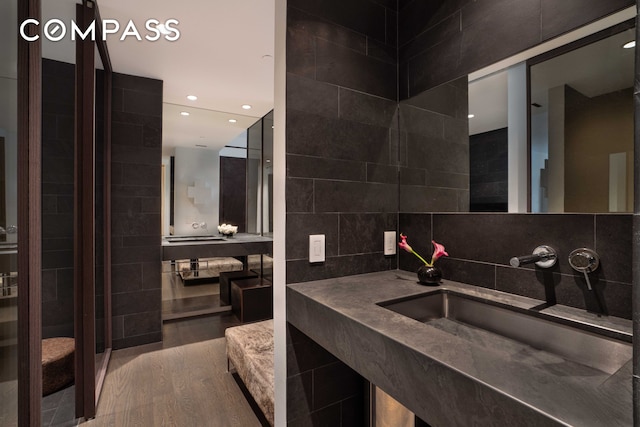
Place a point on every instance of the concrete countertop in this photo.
(239, 245)
(451, 379)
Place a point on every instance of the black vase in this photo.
(429, 275)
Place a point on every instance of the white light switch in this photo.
(390, 243)
(316, 248)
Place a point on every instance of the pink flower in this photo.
(404, 245)
(438, 251)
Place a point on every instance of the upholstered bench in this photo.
(57, 363)
(253, 262)
(250, 352)
(206, 268)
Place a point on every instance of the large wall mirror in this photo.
(217, 169)
(581, 120)
(550, 130)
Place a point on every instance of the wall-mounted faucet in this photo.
(584, 260)
(543, 256)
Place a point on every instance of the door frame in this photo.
(29, 220)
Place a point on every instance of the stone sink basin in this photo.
(573, 341)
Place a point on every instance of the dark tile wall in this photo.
(442, 40)
(434, 150)
(136, 155)
(343, 145)
(342, 178)
(481, 245)
(136, 257)
(341, 135)
(488, 171)
(321, 390)
(58, 103)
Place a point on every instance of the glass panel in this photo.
(254, 185)
(8, 215)
(267, 175)
(58, 108)
(99, 214)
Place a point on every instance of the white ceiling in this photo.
(224, 56)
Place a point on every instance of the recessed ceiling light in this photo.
(471, 116)
(184, 113)
(267, 56)
(192, 97)
(232, 120)
(629, 45)
(246, 107)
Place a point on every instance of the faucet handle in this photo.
(584, 260)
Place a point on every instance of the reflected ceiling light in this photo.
(246, 107)
(184, 113)
(232, 120)
(629, 45)
(471, 116)
(192, 97)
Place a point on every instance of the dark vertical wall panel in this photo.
(636, 242)
(29, 110)
(341, 135)
(342, 177)
(233, 192)
(136, 229)
(488, 171)
(58, 83)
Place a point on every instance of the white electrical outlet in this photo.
(390, 243)
(316, 248)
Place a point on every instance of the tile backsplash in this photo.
(481, 245)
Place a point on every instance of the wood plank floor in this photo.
(180, 301)
(180, 382)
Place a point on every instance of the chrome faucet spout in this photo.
(543, 256)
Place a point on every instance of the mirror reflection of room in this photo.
(216, 191)
(581, 130)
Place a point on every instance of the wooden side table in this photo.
(225, 283)
(252, 299)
